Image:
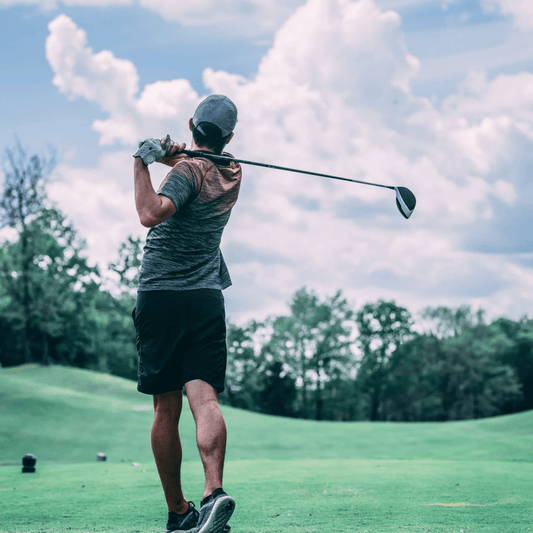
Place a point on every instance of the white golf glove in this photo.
(150, 150)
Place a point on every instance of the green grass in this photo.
(272, 496)
(286, 475)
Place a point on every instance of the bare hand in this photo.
(173, 152)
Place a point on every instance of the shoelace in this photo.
(191, 510)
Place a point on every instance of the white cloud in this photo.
(79, 72)
(398, 4)
(248, 17)
(113, 84)
(51, 4)
(333, 95)
(100, 202)
(509, 95)
(245, 16)
(254, 17)
(521, 10)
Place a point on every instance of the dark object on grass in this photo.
(28, 463)
(101, 457)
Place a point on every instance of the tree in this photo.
(115, 312)
(344, 401)
(519, 356)
(49, 285)
(113, 334)
(481, 384)
(128, 265)
(246, 366)
(444, 322)
(382, 327)
(22, 199)
(313, 345)
(456, 370)
(411, 392)
(278, 394)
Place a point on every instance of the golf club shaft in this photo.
(225, 159)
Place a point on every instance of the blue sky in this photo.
(168, 50)
(435, 95)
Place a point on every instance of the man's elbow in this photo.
(148, 220)
(151, 216)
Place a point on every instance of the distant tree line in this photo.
(54, 306)
(326, 362)
(323, 360)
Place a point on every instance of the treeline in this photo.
(323, 360)
(327, 362)
(54, 306)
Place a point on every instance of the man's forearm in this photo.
(150, 206)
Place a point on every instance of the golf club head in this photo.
(405, 200)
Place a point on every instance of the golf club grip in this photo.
(222, 159)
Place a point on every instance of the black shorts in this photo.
(181, 336)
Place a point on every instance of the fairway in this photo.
(285, 474)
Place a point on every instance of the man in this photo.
(179, 316)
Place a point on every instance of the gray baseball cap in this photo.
(218, 110)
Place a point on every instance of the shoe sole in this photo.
(220, 515)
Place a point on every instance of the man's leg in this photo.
(210, 431)
(166, 446)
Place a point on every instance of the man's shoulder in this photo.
(185, 166)
(205, 163)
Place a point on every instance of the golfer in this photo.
(179, 316)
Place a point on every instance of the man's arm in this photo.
(152, 208)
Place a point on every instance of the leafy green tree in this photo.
(444, 322)
(313, 344)
(22, 199)
(454, 371)
(382, 327)
(48, 283)
(128, 265)
(411, 392)
(480, 384)
(113, 334)
(344, 401)
(52, 305)
(115, 312)
(246, 366)
(278, 394)
(519, 356)
(72, 320)
(10, 342)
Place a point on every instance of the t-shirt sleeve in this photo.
(180, 187)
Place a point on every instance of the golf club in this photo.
(405, 199)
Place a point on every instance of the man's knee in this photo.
(199, 391)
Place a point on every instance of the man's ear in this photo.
(190, 124)
(230, 137)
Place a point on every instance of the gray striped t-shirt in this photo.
(183, 252)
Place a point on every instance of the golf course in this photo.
(285, 474)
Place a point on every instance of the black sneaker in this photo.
(186, 522)
(215, 512)
(183, 523)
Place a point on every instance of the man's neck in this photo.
(194, 146)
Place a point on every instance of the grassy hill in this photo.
(69, 415)
(290, 475)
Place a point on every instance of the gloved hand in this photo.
(150, 150)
